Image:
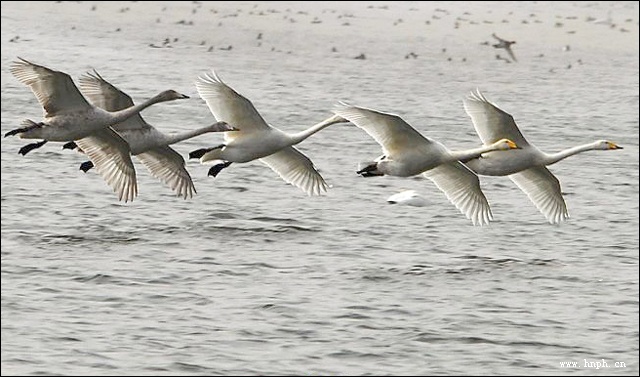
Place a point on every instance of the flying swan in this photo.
(148, 144)
(68, 116)
(407, 153)
(527, 166)
(256, 139)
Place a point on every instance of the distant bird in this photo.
(68, 116)
(408, 198)
(148, 144)
(526, 166)
(256, 139)
(407, 153)
(502, 43)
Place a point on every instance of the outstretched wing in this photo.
(394, 135)
(229, 106)
(106, 96)
(462, 188)
(543, 189)
(55, 90)
(168, 166)
(297, 169)
(111, 157)
(491, 123)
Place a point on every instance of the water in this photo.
(252, 276)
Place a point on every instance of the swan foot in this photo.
(201, 152)
(215, 169)
(370, 171)
(70, 145)
(29, 147)
(31, 125)
(86, 166)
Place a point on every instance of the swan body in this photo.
(526, 166)
(145, 141)
(407, 153)
(257, 140)
(69, 116)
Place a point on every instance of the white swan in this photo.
(148, 144)
(527, 166)
(69, 116)
(408, 198)
(256, 139)
(408, 153)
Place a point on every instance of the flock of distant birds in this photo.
(103, 123)
(439, 14)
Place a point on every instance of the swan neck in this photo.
(555, 157)
(122, 115)
(472, 153)
(176, 138)
(300, 136)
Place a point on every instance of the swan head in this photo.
(222, 126)
(170, 95)
(606, 145)
(505, 145)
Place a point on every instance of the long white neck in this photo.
(298, 137)
(472, 153)
(176, 138)
(555, 157)
(122, 115)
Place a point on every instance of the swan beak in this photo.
(223, 126)
(614, 146)
(184, 96)
(512, 145)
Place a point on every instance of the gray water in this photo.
(252, 276)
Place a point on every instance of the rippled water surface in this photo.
(252, 276)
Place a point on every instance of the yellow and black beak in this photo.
(512, 145)
(614, 146)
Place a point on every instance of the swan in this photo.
(407, 197)
(527, 166)
(256, 139)
(407, 153)
(148, 144)
(69, 116)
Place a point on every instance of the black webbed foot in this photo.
(29, 147)
(215, 169)
(201, 152)
(30, 126)
(70, 145)
(86, 166)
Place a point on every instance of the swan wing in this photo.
(297, 169)
(491, 123)
(110, 155)
(168, 166)
(55, 90)
(543, 189)
(106, 96)
(462, 188)
(389, 130)
(229, 106)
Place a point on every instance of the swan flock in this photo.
(102, 122)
